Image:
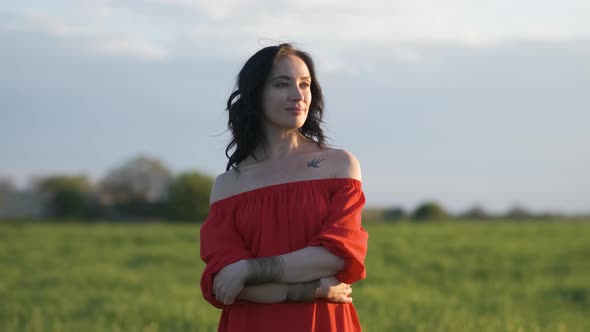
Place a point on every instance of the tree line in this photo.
(143, 188)
(140, 189)
(433, 211)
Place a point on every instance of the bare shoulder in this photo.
(225, 185)
(344, 164)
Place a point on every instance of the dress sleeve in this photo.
(221, 245)
(342, 233)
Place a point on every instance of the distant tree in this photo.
(370, 214)
(188, 197)
(475, 212)
(68, 196)
(138, 188)
(7, 185)
(429, 211)
(19, 204)
(518, 212)
(394, 214)
(550, 215)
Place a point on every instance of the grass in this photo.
(449, 276)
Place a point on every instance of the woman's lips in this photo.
(295, 110)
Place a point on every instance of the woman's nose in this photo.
(297, 94)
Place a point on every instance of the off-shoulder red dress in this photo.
(278, 219)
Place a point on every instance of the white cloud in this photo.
(39, 20)
(159, 28)
(213, 10)
(133, 46)
(420, 21)
(88, 34)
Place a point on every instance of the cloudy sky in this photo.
(461, 102)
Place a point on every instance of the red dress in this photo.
(278, 219)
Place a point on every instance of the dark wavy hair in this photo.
(245, 104)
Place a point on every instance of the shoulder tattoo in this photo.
(315, 162)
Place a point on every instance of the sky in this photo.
(460, 102)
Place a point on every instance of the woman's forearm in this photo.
(309, 263)
(329, 288)
(265, 293)
(300, 266)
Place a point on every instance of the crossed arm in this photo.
(307, 264)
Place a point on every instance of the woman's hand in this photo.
(229, 281)
(335, 291)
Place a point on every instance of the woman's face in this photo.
(287, 93)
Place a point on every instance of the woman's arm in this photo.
(265, 293)
(302, 265)
(309, 263)
(330, 289)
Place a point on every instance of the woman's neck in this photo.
(283, 143)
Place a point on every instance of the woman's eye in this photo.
(282, 84)
(305, 85)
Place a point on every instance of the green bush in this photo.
(188, 197)
(429, 211)
(394, 214)
(69, 196)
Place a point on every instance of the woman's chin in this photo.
(289, 125)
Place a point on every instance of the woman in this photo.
(283, 240)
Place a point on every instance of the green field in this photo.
(450, 276)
